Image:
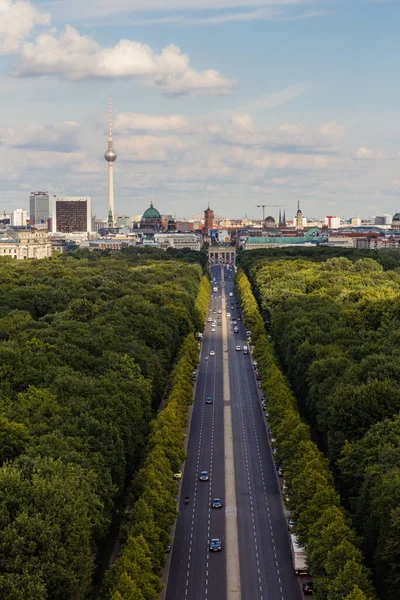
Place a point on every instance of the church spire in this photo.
(280, 219)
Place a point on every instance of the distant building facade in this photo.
(208, 219)
(39, 208)
(151, 219)
(299, 218)
(19, 217)
(332, 222)
(71, 214)
(28, 243)
(178, 241)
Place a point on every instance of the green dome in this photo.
(151, 213)
(396, 217)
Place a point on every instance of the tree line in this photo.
(321, 524)
(87, 344)
(136, 573)
(335, 326)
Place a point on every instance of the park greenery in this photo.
(322, 525)
(136, 573)
(87, 345)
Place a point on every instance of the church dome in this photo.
(270, 220)
(151, 213)
(396, 217)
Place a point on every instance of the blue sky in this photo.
(231, 102)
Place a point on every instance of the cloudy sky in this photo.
(229, 102)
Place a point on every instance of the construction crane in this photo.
(263, 207)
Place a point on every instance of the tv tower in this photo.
(110, 155)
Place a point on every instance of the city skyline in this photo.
(287, 101)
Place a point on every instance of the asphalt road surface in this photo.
(262, 544)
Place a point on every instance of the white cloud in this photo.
(101, 8)
(242, 121)
(17, 20)
(364, 153)
(43, 137)
(78, 57)
(135, 122)
(263, 14)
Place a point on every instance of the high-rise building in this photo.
(332, 222)
(19, 217)
(110, 155)
(208, 219)
(71, 214)
(39, 208)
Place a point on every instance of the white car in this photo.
(212, 329)
(212, 352)
(209, 320)
(228, 314)
(219, 311)
(238, 347)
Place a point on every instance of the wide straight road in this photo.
(258, 557)
(194, 572)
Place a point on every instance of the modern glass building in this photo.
(39, 208)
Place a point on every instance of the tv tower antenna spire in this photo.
(110, 156)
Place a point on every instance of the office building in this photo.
(19, 217)
(71, 214)
(39, 208)
(178, 241)
(332, 222)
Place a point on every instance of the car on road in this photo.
(219, 323)
(234, 322)
(219, 311)
(212, 352)
(307, 588)
(204, 476)
(235, 330)
(209, 320)
(178, 475)
(239, 318)
(290, 524)
(213, 329)
(238, 347)
(168, 548)
(216, 503)
(209, 400)
(228, 314)
(279, 470)
(215, 545)
(214, 310)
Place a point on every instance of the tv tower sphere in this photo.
(110, 155)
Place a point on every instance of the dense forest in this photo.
(334, 320)
(87, 345)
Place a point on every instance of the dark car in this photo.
(204, 476)
(168, 548)
(307, 588)
(215, 545)
(208, 400)
(216, 503)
